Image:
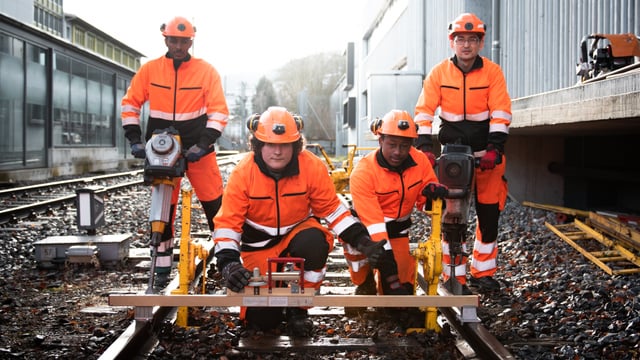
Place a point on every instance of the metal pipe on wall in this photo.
(495, 31)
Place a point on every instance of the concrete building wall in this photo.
(559, 129)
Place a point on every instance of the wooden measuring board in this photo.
(282, 297)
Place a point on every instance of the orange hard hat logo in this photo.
(397, 123)
(178, 27)
(276, 126)
(466, 23)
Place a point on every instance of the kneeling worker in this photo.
(272, 206)
(386, 186)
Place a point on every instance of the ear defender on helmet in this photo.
(375, 125)
(299, 122)
(252, 122)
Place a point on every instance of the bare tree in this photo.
(265, 96)
(305, 86)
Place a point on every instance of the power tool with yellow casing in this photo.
(164, 162)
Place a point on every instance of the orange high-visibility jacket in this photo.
(474, 107)
(383, 198)
(258, 210)
(189, 98)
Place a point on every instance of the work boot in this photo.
(486, 283)
(160, 281)
(264, 318)
(298, 322)
(368, 287)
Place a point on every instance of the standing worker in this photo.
(184, 93)
(475, 110)
(386, 185)
(272, 206)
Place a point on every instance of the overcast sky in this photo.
(236, 36)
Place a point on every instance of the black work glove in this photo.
(194, 153)
(138, 151)
(235, 276)
(389, 276)
(373, 250)
(435, 191)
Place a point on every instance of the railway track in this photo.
(475, 341)
(32, 200)
(141, 337)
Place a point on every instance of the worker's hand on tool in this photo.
(489, 160)
(236, 276)
(374, 251)
(138, 151)
(430, 156)
(194, 153)
(435, 191)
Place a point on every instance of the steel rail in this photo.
(485, 345)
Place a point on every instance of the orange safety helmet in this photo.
(276, 126)
(467, 23)
(397, 123)
(178, 27)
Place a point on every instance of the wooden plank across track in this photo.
(283, 298)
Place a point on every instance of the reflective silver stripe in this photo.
(422, 117)
(356, 265)
(460, 270)
(499, 128)
(351, 250)
(484, 248)
(445, 248)
(177, 116)
(130, 121)
(377, 228)
(343, 224)
(459, 117)
(483, 265)
(501, 115)
(222, 245)
(315, 276)
(226, 233)
(424, 130)
(216, 116)
(335, 214)
(164, 261)
(272, 231)
(257, 244)
(130, 108)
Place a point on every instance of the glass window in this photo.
(37, 107)
(107, 117)
(79, 126)
(11, 101)
(61, 128)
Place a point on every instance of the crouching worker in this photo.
(271, 207)
(386, 186)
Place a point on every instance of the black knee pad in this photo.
(311, 245)
(488, 215)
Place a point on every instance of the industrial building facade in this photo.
(537, 43)
(59, 100)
